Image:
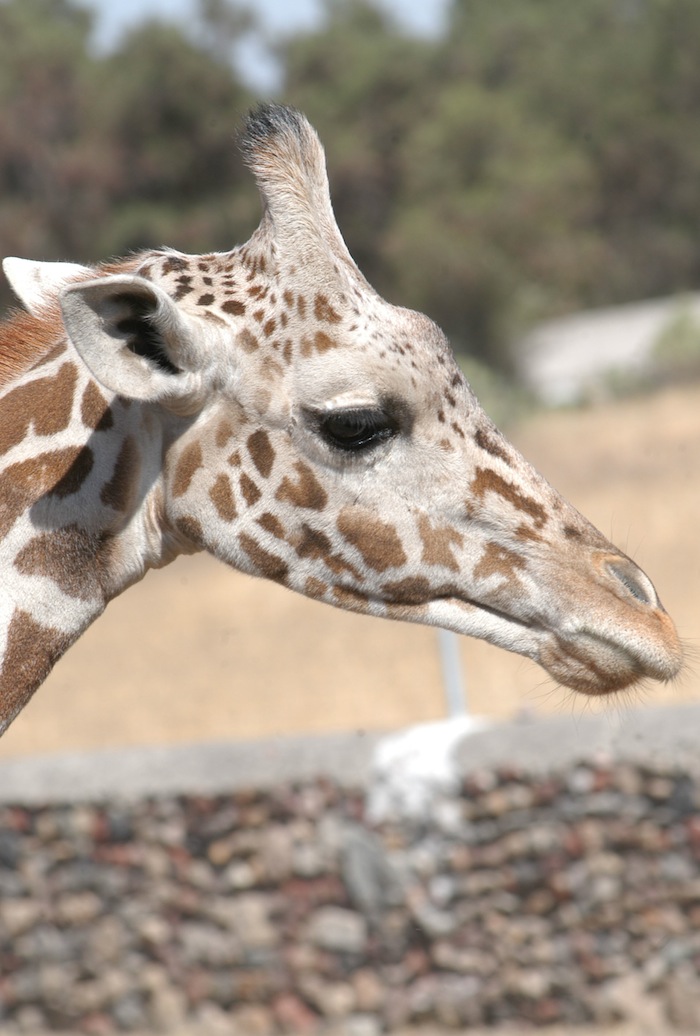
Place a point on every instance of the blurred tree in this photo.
(167, 116)
(363, 84)
(492, 213)
(538, 157)
(45, 162)
(99, 156)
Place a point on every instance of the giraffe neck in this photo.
(79, 513)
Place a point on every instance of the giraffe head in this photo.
(300, 428)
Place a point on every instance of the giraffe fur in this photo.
(267, 406)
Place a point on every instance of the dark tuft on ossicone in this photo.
(266, 121)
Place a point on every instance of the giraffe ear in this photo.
(35, 283)
(134, 340)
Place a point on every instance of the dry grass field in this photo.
(198, 652)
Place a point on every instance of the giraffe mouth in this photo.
(591, 662)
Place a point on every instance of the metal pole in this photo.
(455, 694)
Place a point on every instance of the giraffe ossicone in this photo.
(267, 406)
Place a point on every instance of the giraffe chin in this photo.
(589, 663)
(597, 666)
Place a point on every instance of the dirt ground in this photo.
(198, 652)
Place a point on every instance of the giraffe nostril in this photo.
(634, 581)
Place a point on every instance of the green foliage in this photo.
(538, 157)
(99, 156)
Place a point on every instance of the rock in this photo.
(467, 961)
(241, 874)
(371, 880)
(334, 928)
(77, 909)
(167, 1009)
(682, 999)
(276, 853)
(308, 860)
(18, 916)
(252, 1020)
(203, 944)
(294, 1016)
(369, 990)
(331, 999)
(248, 917)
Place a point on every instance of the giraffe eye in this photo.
(356, 430)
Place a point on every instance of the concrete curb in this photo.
(659, 736)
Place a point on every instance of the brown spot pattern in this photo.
(247, 341)
(499, 561)
(224, 432)
(315, 588)
(32, 651)
(488, 481)
(524, 532)
(324, 311)
(189, 462)
(95, 411)
(221, 496)
(270, 524)
(412, 590)
(46, 403)
(51, 355)
(28, 480)
(265, 563)
(234, 307)
(66, 556)
(190, 528)
(25, 340)
(377, 541)
(321, 343)
(261, 452)
(315, 545)
(250, 491)
(78, 471)
(306, 492)
(120, 492)
(491, 444)
(438, 543)
(350, 600)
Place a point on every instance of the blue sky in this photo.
(278, 16)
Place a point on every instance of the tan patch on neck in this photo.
(46, 404)
(120, 492)
(378, 542)
(67, 557)
(32, 651)
(60, 472)
(25, 340)
(95, 410)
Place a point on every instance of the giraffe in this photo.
(267, 406)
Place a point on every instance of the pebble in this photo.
(521, 900)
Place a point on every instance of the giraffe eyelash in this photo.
(356, 429)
